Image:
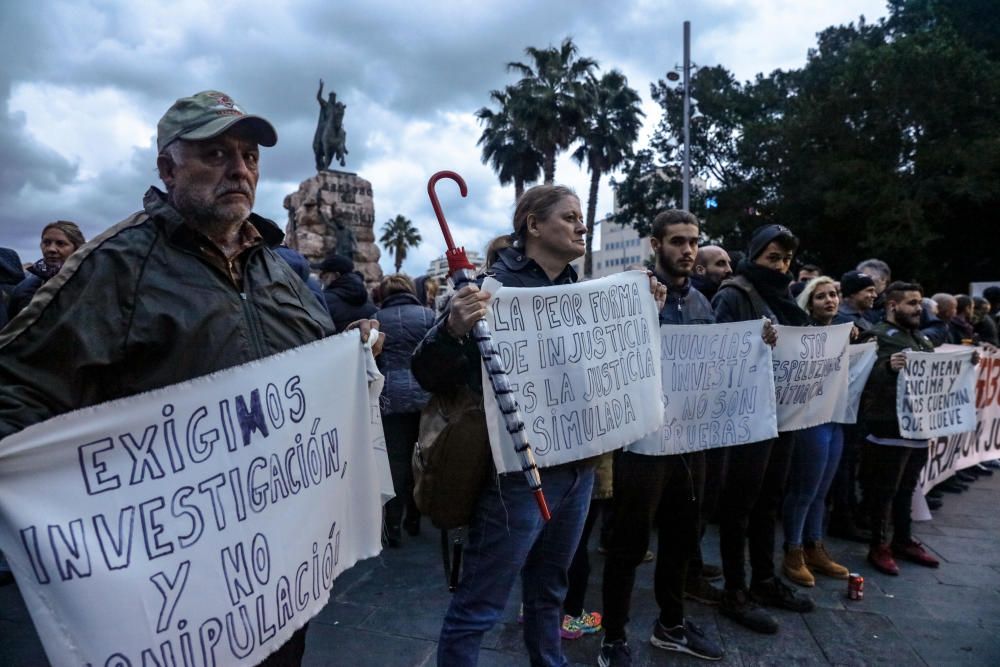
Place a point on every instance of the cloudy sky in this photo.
(84, 83)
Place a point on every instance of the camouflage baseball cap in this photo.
(208, 114)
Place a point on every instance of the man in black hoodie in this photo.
(344, 291)
(756, 472)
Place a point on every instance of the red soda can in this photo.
(855, 586)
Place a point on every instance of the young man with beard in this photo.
(891, 464)
(661, 489)
(756, 473)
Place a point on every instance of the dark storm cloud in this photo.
(394, 64)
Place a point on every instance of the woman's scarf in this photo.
(43, 270)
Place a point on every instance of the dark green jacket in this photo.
(138, 308)
(879, 398)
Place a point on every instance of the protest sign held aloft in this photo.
(202, 523)
(717, 387)
(582, 361)
(936, 393)
(810, 374)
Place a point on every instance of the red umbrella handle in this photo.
(456, 256)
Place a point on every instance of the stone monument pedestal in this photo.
(333, 210)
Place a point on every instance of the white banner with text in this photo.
(583, 361)
(948, 454)
(810, 374)
(202, 523)
(936, 394)
(718, 389)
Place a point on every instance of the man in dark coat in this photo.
(891, 464)
(188, 286)
(344, 290)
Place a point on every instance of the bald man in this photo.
(939, 329)
(711, 266)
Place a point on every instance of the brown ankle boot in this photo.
(795, 568)
(818, 560)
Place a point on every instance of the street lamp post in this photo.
(672, 76)
(686, 192)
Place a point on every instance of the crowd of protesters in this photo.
(850, 481)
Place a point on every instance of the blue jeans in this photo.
(814, 463)
(507, 536)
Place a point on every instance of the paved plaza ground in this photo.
(387, 611)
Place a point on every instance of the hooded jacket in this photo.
(347, 300)
(405, 323)
(140, 307)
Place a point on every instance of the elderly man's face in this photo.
(214, 182)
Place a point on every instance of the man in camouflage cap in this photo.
(188, 286)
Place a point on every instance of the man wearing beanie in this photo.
(188, 286)
(344, 290)
(757, 471)
(857, 296)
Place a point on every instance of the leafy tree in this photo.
(608, 130)
(398, 236)
(505, 144)
(548, 104)
(886, 143)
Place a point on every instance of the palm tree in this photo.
(548, 100)
(609, 128)
(505, 143)
(399, 235)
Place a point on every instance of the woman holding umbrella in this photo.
(507, 534)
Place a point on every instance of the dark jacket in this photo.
(140, 307)
(405, 323)
(24, 292)
(879, 398)
(685, 305)
(986, 330)
(936, 331)
(704, 285)
(847, 314)
(737, 301)
(443, 364)
(11, 274)
(300, 265)
(347, 300)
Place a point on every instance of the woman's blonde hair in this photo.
(805, 298)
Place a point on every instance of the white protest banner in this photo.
(948, 454)
(861, 361)
(202, 523)
(935, 394)
(582, 361)
(717, 387)
(810, 374)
